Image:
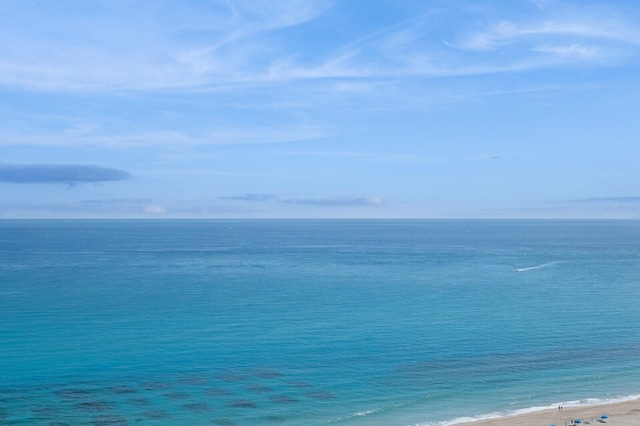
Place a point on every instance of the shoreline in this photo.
(619, 413)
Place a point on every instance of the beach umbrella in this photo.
(604, 417)
(578, 421)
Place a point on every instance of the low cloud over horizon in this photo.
(338, 201)
(630, 199)
(69, 174)
(251, 197)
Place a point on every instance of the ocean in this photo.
(313, 322)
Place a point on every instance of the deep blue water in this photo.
(313, 322)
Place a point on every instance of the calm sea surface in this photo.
(313, 322)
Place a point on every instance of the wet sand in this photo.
(626, 413)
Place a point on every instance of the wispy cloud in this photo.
(630, 199)
(570, 51)
(411, 48)
(115, 201)
(554, 36)
(121, 205)
(228, 135)
(484, 157)
(155, 209)
(379, 157)
(226, 44)
(338, 201)
(69, 174)
(251, 197)
(164, 45)
(107, 207)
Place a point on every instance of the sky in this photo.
(320, 109)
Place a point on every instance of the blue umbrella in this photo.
(578, 421)
(604, 417)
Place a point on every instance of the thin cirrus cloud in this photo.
(559, 23)
(338, 201)
(332, 202)
(222, 44)
(232, 135)
(69, 174)
(410, 48)
(251, 197)
(115, 202)
(631, 199)
(164, 45)
(553, 39)
(399, 158)
(92, 207)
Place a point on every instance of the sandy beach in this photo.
(626, 413)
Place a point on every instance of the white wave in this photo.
(357, 414)
(460, 420)
(588, 402)
(365, 413)
(542, 266)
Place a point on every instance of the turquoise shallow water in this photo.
(313, 322)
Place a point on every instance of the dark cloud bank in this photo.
(69, 174)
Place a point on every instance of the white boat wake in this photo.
(530, 268)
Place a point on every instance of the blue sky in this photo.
(319, 109)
